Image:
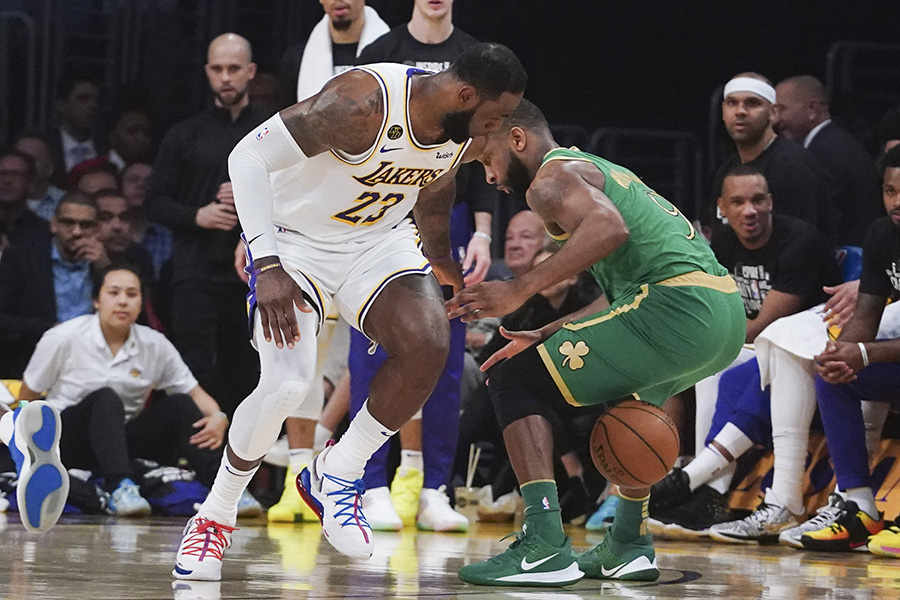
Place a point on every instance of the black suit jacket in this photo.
(59, 160)
(27, 300)
(853, 173)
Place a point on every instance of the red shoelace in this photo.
(207, 537)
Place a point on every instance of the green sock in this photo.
(630, 521)
(542, 514)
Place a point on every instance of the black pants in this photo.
(209, 326)
(96, 437)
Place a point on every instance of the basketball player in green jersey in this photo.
(674, 316)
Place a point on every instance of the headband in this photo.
(748, 84)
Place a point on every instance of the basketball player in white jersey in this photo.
(375, 143)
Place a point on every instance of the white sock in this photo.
(864, 499)
(793, 404)
(6, 427)
(722, 480)
(411, 459)
(874, 416)
(705, 466)
(221, 504)
(299, 458)
(706, 391)
(348, 458)
(322, 435)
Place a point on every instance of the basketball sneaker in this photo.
(692, 519)
(602, 519)
(126, 501)
(850, 531)
(291, 508)
(886, 542)
(763, 526)
(436, 514)
(380, 511)
(673, 491)
(338, 503)
(825, 516)
(405, 491)
(529, 560)
(610, 559)
(32, 434)
(202, 549)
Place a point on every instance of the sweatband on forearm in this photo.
(268, 148)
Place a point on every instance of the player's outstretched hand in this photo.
(842, 303)
(276, 296)
(839, 362)
(519, 341)
(486, 299)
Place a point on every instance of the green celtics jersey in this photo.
(662, 243)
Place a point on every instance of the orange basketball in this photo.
(634, 444)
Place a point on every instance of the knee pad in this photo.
(311, 406)
(513, 397)
(281, 401)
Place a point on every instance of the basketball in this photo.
(634, 444)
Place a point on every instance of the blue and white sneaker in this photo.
(338, 503)
(248, 506)
(602, 519)
(43, 483)
(126, 501)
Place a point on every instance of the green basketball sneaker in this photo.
(634, 561)
(528, 561)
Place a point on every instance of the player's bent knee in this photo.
(284, 399)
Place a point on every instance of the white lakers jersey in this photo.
(336, 198)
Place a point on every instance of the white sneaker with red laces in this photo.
(338, 502)
(202, 548)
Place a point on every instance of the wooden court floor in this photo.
(100, 558)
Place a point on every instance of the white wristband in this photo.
(864, 353)
(482, 234)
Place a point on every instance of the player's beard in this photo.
(518, 179)
(456, 125)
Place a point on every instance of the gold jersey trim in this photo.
(720, 283)
(554, 374)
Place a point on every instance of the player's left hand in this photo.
(448, 272)
(839, 362)
(212, 431)
(478, 260)
(486, 299)
(520, 340)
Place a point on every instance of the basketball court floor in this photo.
(100, 558)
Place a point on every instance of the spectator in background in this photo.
(333, 45)
(99, 369)
(802, 115)
(17, 173)
(92, 177)
(782, 266)
(155, 238)
(129, 141)
(115, 230)
(190, 193)
(798, 183)
(44, 196)
(46, 279)
(75, 139)
(525, 236)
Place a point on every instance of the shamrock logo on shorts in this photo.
(573, 354)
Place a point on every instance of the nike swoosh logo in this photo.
(385, 434)
(182, 571)
(383, 149)
(527, 566)
(612, 571)
(256, 237)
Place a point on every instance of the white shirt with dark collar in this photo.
(815, 130)
(73, 359)
(74, 151)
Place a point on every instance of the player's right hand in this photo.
(217, 215)
(842, 303)
(520, 341)
(276, 296)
